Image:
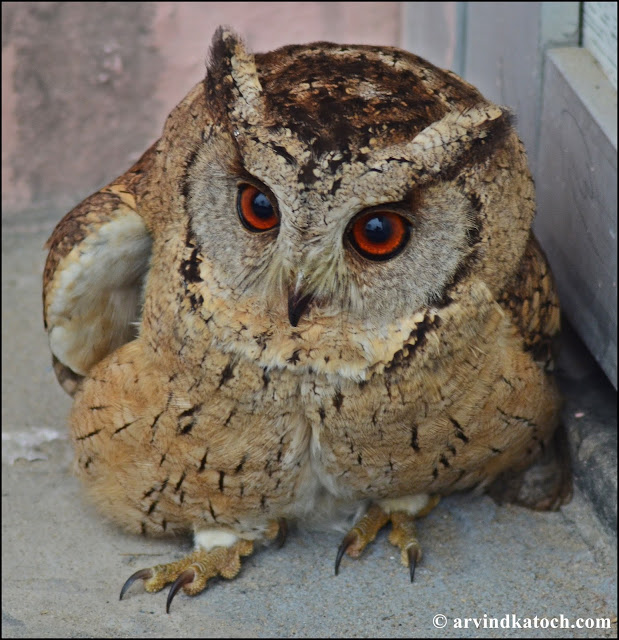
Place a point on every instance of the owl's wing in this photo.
(532, 300)
(93, 279)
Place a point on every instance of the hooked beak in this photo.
(298, 303)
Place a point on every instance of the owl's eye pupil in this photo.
(255, 209)
(379, 235)
(262, 207)
(378, 229)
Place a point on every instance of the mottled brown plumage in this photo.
(233, 378)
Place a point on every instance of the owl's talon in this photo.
(142, 574)
(413, 554)
(282, 533)
(349, 538)
(183, 579)
(404, 535)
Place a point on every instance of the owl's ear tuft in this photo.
(223, 45)
(232, 78)
(462, 138)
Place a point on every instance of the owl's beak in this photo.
(298, 303)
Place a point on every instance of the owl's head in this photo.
(337, 198)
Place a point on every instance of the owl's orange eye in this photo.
(256, 211)
(379, 235)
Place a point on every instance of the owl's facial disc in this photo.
(377, 234)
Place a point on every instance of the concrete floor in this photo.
(63, 566)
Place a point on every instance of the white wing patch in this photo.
(97, 292)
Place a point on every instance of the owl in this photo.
(316, 293)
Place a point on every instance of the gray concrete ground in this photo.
(63, 566)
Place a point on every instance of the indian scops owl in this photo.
(318, 289)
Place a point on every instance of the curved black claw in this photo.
(282, 533)
(142, 574)
(349, 538)
(185, 578)
(413, 556)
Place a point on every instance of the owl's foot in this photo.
(192, 572)
(218, 553)
(402, 513)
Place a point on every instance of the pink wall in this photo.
(86, 87)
